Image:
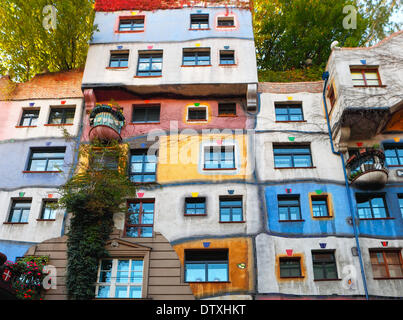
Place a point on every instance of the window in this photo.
(192, 57)
(225, 22)
(290, 267)
(49, 159)
(289, 208)
(324, 265)
(331, 96)
(365, 77)
(120, 278)
(206, 265)
(150, 64)
(199, 21)
(104, 161)
(19, 211)
(400, 197)
(227, 109)
(195, 206)
(231, 209)
(119, 60)
(61, 115)
(135, 24)
(320, 206)
(48, 210)
(140, 219)
(371, 206)
(29, 118)
(394, 154)
(197, 114)
(227, 57)
(143, 167)
(289, 112)
(146, 114)
(217, 157)
(292, 156)
(386, 264)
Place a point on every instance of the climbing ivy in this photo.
(99, 188)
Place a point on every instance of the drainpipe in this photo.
(325, 77)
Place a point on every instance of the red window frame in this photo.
(141, 213)
(385, 264)
(363, 71)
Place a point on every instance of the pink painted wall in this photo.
(8, 120)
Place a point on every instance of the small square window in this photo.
(320, 206)
(227, 22)
(394, 154)
(324, 265)
(227, 57)
(149, 64)
(119, 60)
(62, 115)
(290, 267)
(289, 112)
(218, 158)
(143, 166)
(29, 118)
(195, 206)
(48, 210)
(199, 21)
(146, 113)
(227, 109)
(289, 208)
(20, 210)
(386, 264)
(197, 114)
(367, 77)
(231, 209)
(131, 24)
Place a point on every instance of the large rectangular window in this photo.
(119, 60)
(289, 208)
(199, 21)
(394, 154)
(231, 209)
(132, 24)
(143, 167)
(140, 219)
(206, 265)
(292, 156)
(290, 267)
(216, 157)
(146, 113)
(120, 278)
(46, 159)
(371, 206)
(29, 118)
(365, 77)
(19, 212)
(324, 265)
(387, 264)
(193, 57)
(61, 115)
(289, 112)
(149, 64)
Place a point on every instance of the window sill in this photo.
(15, 222)
(227, 65)
(160, 76)
(195, 215)
(25, 126)
(117, 68)
(196, 65)
(397, 278)
(290, 278)
(387, 218)
(131, 31)
(324, 217)
(58, 124)
(295, 168)
(227, 116)
(202, 282)
(45, 220)
(142, 123)
(199, 29)
(396, 166)
(292, 121)
(378, 86)
(199, 120)
(299, 220)
(42, 171)
(322, 280)
(226, 27)
(220, 169)
(232, 221)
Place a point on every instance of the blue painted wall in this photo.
(14, 249)
(170, 26)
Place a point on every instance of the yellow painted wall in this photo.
(178, 158)
(239, 251)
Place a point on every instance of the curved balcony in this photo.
(106, 123)
(367, 169)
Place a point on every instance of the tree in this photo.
(293, 37)
(38, 35)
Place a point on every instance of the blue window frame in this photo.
(292, 156)
(140, 219)
(199, 21)
(195, 206)
(319, 206)
(149, 64)
(289, 207)
(143, 167)
(193, 57)
(20, 210)
(400, 198)
(231, 209)
(371, 206)
(227, 57)
(206, 265)
(119, 60)
(394, 154)
(48, 210)
(217, 157)
(289, 112)
(46, 159)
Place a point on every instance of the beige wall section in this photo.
(164, 273)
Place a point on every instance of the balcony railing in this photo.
(367, 170)
(106, 123)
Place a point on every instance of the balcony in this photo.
(366, 169)
(106, 123)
